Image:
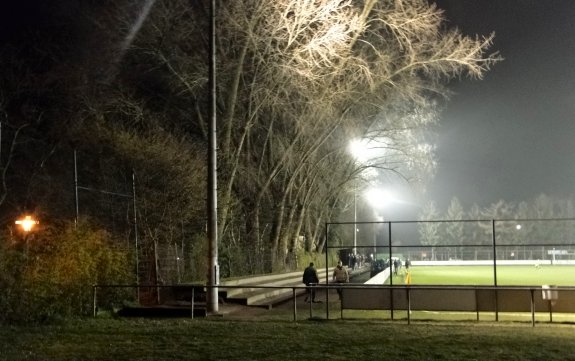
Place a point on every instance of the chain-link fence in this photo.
(531, 243)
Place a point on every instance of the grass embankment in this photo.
(222, 339)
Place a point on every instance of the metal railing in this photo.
(296, 290)
(495, 299)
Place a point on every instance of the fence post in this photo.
(192, 301)
(94, 300)
(532, 308)
(390, 269)
(495, 269)
(341, 303)
(294, 304)
(408, 305)
(310, 302)
(550, 311)
(476, 305)
(327, 269)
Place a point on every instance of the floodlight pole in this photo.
(136, 240)
(390, 268)
(326, 249)
(495, 268)
(212, 201)
(494, 253)
(76, 189)
(355, 220)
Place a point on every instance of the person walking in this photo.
(340, 275)
(310, 279)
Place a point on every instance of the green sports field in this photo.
(484, 275)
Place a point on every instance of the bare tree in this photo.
(454, 230)
(296, 77)
(429, 228)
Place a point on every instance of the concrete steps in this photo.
(253, 295)
(267, 297)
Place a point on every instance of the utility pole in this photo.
(355, 219)
(212, 201)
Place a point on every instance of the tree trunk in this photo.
(275, 235)
(298, 226)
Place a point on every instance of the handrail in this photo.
(408, 288)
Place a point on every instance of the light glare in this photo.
(27, 223)
(378, 198)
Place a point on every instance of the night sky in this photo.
(511, 136)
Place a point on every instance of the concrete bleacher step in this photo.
(259, 279)
(263, 296)
(287, 280)
(271, 301)
(254, 296)
(253, 299)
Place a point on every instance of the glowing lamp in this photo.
(27, 223)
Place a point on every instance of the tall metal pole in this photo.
(212, 207)
(390, 253)
(390, 268)
(494, 245)
(76, 189)
(495, 269)
(136, 235)
(355, 220)
(326, 249)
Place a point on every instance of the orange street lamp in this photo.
(27, 223)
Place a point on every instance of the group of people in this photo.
(310, 279)
(356, 261)
(341, 275)
(397, 265)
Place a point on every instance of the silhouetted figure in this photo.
(310, 279)
(340, 275)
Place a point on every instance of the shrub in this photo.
(51, 274)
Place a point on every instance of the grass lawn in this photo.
(271, 335)
(222, 339)
(483, 275)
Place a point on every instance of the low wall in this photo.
(379, 278)
(476, 299)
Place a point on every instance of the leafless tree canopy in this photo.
(297, 80)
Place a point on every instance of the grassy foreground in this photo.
(221, 339)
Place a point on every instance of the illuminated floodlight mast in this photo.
(363, 150)
(379, 198)
(27, 223)
(358, 149)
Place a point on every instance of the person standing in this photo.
(310, 279)
(340, 275)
